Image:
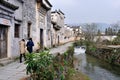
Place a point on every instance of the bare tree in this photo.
(98, 32)
(90, 30)
(115, 27)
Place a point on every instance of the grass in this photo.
(78, 76)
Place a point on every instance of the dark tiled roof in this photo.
(49, 3)
(58, 11)
(41, 1)
(8, 5)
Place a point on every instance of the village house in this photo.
(23, 19)
(68, 34)
(57, 18)
(77, 32)
(36, 21)
(9, 22)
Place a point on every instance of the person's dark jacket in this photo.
(30, 45)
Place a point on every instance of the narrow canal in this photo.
(96, 69)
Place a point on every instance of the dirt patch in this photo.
(25, 78)
(78, 76)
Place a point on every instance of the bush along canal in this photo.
(45, 66)
(108, 54)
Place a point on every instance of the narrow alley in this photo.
(16, 70)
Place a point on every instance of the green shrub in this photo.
(39, 66)
(45, 66)
(116, 41)
(79, 43)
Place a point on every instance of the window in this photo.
(17, 31)
(29, 30)
(48, 34)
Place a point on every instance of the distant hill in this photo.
(101, 26)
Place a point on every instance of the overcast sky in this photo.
(87, 11)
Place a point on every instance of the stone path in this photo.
(16, 70)
(13, 71)
(61, 48)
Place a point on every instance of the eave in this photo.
(45, 3)
(58, 11)
(55, 26)
(8, 5)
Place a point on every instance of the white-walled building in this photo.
(57, 18)
(23, 19)
(67, 34)
(10, 18)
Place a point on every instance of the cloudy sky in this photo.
(87, 11)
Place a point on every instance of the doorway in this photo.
(58, 40)
(41, 38)
(3, 41)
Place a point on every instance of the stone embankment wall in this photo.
(110, 55)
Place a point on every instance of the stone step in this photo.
(5, 61)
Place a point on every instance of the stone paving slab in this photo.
(13, 71)
(16, 70)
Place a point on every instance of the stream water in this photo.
(95, 68)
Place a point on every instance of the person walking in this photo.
(22, 50)
(30, 45)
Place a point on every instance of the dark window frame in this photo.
(17, 30)
(29, 29)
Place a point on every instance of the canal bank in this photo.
(108, 54)
(96, 69)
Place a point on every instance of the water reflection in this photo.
(96, 69)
